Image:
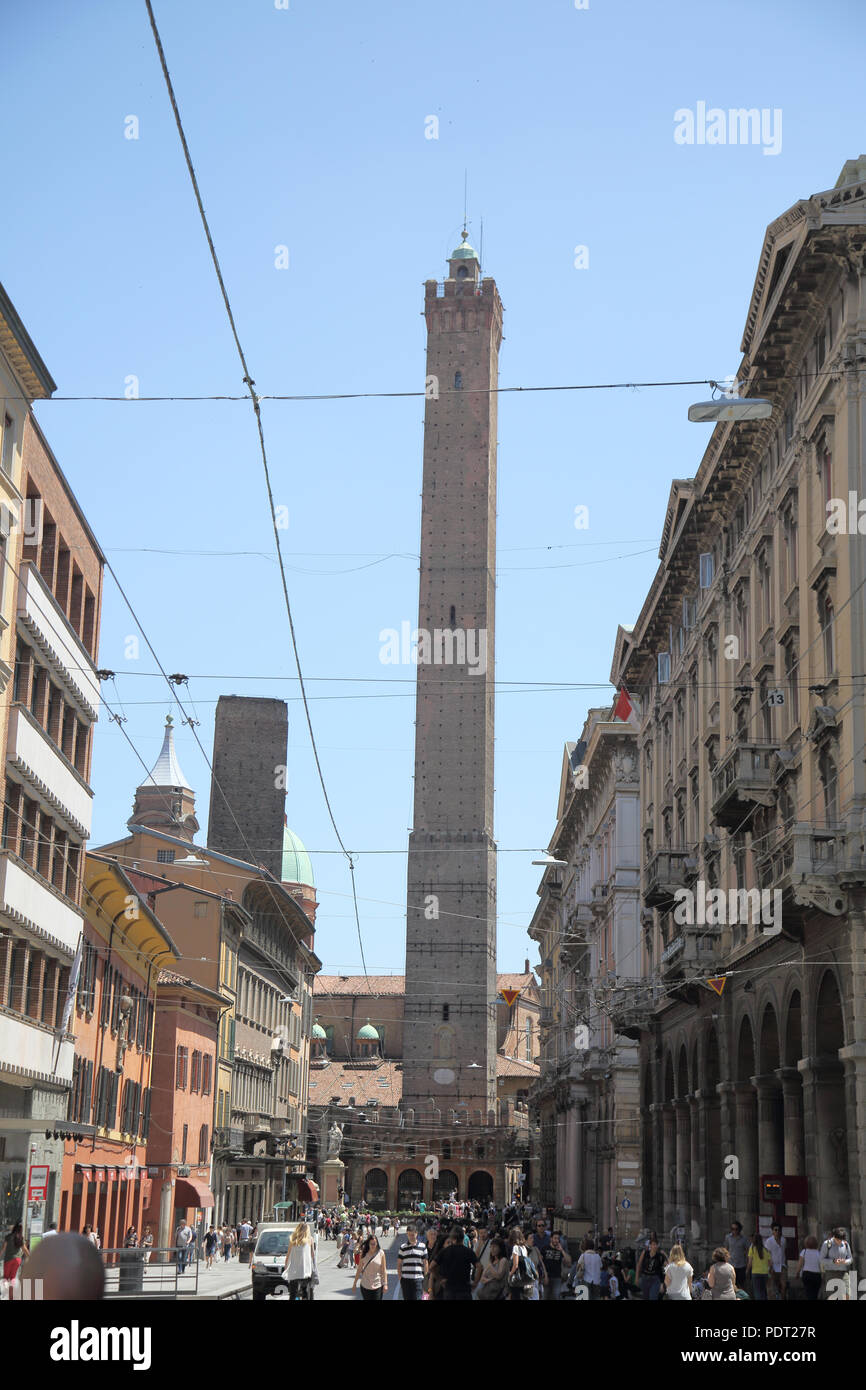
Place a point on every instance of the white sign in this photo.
(629, 1182)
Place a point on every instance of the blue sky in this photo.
(307, 129)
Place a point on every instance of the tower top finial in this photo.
(168, 721)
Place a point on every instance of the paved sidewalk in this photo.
(225, 1278)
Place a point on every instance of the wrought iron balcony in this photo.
(666, 871)
(742, 782)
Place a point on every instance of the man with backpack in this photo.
(589, 1270)
(836, 1260)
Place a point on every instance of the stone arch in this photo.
(771, 1118)
(745, 1066)
(829, 1023)
(769, 1055)
(376, 1188)
(682, 1073)
(792, 1050)
(446, 1183)
(480, 1187)
(669, 1078)
(410, 1188)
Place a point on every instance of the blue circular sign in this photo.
(625, 1203)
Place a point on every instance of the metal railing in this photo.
(139, 1273)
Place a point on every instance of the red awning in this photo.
(193, 1194)
(308, 1191)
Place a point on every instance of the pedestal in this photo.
(333, 1179)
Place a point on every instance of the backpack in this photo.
(523, 1277)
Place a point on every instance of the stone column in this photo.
(669, 1168)
(730, 1189)
(794, 1161)
(683, 1161)
(696, 1215)
(854, 1061)
(770, 1155)
(653, 1185)
(746, 1152)
(582, 1199)
(821, 1156)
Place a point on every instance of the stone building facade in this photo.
(748, 661)
(587, 1097)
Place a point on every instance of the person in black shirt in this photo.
(556, 1258)
(454, 1265)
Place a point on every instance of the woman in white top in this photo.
(678, 1276)
(372, 1271)
(519, 1249)
(300, 1265)
(809, 1267)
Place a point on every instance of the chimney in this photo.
(526, 967)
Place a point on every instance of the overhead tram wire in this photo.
(405, 395)
(249, 383)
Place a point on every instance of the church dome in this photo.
(368, 1033)
(296, 866)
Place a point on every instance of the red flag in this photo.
(624, 709)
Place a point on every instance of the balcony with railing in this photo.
(742, 782)
(666, 871)
(631, 1008)
(694, 952)
(813, 867)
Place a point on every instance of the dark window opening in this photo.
(445, 1011)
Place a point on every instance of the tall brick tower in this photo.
(450, 1017)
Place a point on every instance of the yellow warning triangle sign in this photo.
(717, 983)
(509, 995)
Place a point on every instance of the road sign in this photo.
(717, 983)
(37, 1186)
(509, 995)
(625, 1203)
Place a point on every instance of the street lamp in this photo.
(547, 861)
(730, 408)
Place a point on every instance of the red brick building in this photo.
(183, 1082)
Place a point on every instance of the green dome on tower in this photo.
(297, 866)
(464, 252)
(319, 1032)
(368, 1033)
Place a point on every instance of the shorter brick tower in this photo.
(248, 788)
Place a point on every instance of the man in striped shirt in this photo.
(412, 1265)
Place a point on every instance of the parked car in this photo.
(269, 1257)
